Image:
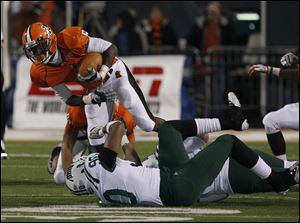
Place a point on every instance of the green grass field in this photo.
(28, 193)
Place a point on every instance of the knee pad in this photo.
(271, 123)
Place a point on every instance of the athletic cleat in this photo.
(294, 171)
(236, 116)
(284, 180)
(52, 160)
(3, 153)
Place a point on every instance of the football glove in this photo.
(263, 69)
(289, 60)
(97, 97)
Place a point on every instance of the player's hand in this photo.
(259, 68)
(95, 97)
(97, 133)
(289, 59)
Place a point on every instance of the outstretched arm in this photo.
(268, 70)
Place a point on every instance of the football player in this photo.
(233, 178)
(55, 59)
(75, 142)
(286, 117)
(178, 181)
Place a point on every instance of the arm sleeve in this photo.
(108, 159)
(62, 91)
(97, 45)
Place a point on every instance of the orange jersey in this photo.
(77, 118)
(72, 43)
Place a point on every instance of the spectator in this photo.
(212, 29)
(158, 29)
(127, 34)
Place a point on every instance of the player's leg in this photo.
(98, 116)
(243, 181)
(3, 121)
(194, 176)
(171, 153)
(184, 185)
(233, 118)
(286, 117)
(132, 98)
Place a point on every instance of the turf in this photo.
(25, 182)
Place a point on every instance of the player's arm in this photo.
(268, 70)
(109, 153)
(95, 97)
(128, 147)
(69, 139)
(108, 50)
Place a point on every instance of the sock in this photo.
(277, 143)
(250, 159)
(261, 169)
(207, 125)
(187, 128)
(282, 157)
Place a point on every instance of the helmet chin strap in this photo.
(55, 58)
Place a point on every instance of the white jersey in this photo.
(121, 82)
(126, 184)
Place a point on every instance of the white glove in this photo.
(259, 68)
(97, 96)
(289, 59)
(99, 132)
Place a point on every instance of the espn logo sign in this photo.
(139, 71)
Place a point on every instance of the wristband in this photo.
(103, 71)
(276, 71)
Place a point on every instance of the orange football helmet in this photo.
(39, 43)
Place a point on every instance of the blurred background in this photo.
(216, 57)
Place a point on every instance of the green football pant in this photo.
(183, 180)
(243, 181)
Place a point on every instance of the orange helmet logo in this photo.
(39, 43)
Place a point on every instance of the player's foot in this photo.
(284, 180)
(294, 171)
(236, 118)
(3, 153)
(53, 158)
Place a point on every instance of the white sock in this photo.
(282, 157)
(207, 125)
(261, 169)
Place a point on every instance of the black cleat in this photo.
(3, 153)
(281, 182)
(235, 112)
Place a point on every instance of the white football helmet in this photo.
(76, 180)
